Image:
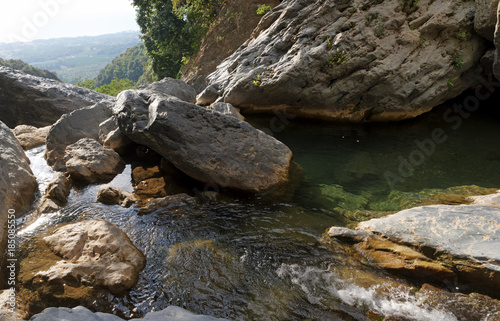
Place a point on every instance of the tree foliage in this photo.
(129, 65)
(172, 30)
(113, 89)
(29, 69)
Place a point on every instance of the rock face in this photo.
(17, 187)
(485, 19)
(92, 253)
(226, 109)
(171, 313)
(354, 60)
(89, 162)
(82, 123)
(235, 23)
(110, 135)
(30, 136)
(173, 87)
(207, 146)
(111, 195)
(36, 101)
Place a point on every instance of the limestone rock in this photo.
(207, 146)
(354, 60)
(92, 253)
(173, 87)
(90, 162)
(30, 136)
(82, 123)
(485, 19)
(17, 186)
(79, 313)
(111, 195)
(110, 135)
(226, 109)
(491, 200)
(36, 101)
(167, 203)
(453, 229)
(11, 306)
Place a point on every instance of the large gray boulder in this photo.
(463, 231)
(93, 253)
(82, 123)
(354, 60)
(17, 187)
(172, 87)
(208, 146)
(171, 313)
(36, 101)
(485, 19)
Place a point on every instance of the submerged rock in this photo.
(111, 195)
(83, 123)
(17, 188)
(89, 162)
(37, 101)
(79, 313)
(354, 60)
(167, 203)
(92, 253)
(207, 146)
(30, 136)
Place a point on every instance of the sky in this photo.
(27, 20)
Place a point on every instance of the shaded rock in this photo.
(172, 87)
(79, 313)
(142, 173)
(210, 147)
(36, 101)
(152, 188)
(17, 187)
(92, 253)
(226, 109)
(111, 195)
(30, 136)
(167, 203)
(354, 61)
(208, 96)
(56, 194)
(82, 123)
(485, 19)
(111, 136)
(89, 162)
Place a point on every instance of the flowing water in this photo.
(252, 259)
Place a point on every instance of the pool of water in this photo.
(253, 259)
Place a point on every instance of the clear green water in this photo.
(249, 259)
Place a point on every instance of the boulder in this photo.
(110, 135)
(79, 313)
(89, 162)
(56, 194)
(93, 253)
(17, 187)
(36, 101)
(491, 200)
(226, 109)
(83, 123)
(30, 136)
(173, 87)
(354, 60)
(111, 195)
(210, 147)
(485, 19)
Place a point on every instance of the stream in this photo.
(245, 258)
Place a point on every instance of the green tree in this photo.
(29, 69)
(116, 87)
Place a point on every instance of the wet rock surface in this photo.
(36, 101)
(56, 194)
(111, 195)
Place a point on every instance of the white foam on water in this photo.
(39, 167)
(41, 222)
(321, 286)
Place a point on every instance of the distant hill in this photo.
(29, 69)
(129, 65)
(72, 58)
